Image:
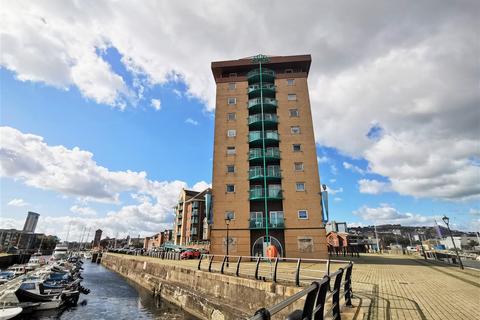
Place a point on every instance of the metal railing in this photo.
(273, 152)
(297, 271)
(318, 294)
(273, 222)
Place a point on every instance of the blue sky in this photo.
(121, 104)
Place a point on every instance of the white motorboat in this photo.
(60, 252)
(9, 313)
(17, 269)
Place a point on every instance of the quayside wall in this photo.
(202, 294)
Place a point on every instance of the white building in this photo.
(459, 241)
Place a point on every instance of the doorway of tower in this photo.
(260, 245)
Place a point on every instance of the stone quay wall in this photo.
(202, 294)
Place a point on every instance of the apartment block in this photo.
(190, 217)
(266, 184)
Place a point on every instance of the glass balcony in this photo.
(256, 173)
(272, 194)
(256, 155)
(269, 120)
(273, 223)
(270, 136)
(266, 89)
(194, 212)
(269, 104)
(267, 75)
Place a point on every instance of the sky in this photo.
(107, 107)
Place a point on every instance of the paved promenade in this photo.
(405, 287)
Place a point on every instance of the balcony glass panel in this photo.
(260, 223)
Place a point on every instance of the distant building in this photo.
(460, 241)
(167, 235)
(336, 227)
(190, 214)
(98, 236)
(31, 222)
(154, 241)
(25, 241)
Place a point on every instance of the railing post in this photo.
(210, 264)
(223, 264)
(348, 286)
(200, 261)
(256, 268)
(319, 309)
(336, 295)
(297, 274)
(237, 273)
(274, 278)
(328, 266)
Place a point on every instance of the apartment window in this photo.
(230, 168)
(233, 74)
(230, 188)
(298, 166)
(295, 130)
(230, 150)
(296, 147)
(300, 186)
(233, 101)
(302, 214)
(230, 215)
(232, 116)
(294, 113)
(290, 82)
(288, 70)
(292, 97)
(232, 86)
(231, 133)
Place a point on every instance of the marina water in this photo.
(112, 297)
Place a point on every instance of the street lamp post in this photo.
(228, 218)
(447, 222)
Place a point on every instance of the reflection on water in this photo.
(113, 297)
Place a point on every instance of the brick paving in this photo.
(405, 287)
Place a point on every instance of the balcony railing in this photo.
(273, 172)
(267, 89)
(267, 75)
(273, 223)
(269, 119)
(270, 154)
(269, 104)
(272, 194)
(255, 137)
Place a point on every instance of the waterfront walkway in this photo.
(403, 287)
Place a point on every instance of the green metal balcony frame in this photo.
(271, 154)
(257, 194)
(255, 137)
(269, 104)
(267, 75)
(256, 90)
(273, 173)
(270, 120)
(259, 223)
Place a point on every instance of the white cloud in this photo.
(474, 212)
(83, 211)
(412, 72)
(333, 169)
(191, 121)
(386, 214)
(332, 191)
(323, 159)
(155, 104)
(73, 172)
(354, 168)
(177, 92)
(337, 199)
(17, 202)
(373, 186)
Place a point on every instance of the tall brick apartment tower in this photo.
(265, 171)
